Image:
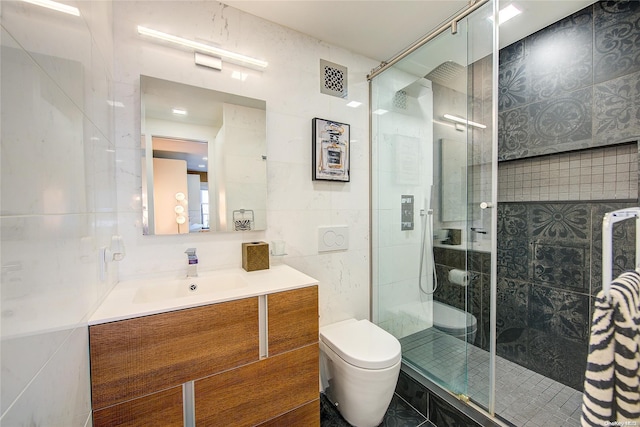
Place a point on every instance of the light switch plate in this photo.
(335, 238)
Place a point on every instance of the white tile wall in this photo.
(58, 205)
(290, 86)
(607, 173)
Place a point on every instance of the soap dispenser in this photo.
(192, 268)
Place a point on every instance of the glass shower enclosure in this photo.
(433, 195)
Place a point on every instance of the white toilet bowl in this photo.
(360, 363)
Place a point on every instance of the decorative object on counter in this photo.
(455, 236)
(255, 256)
(330, 150)
(243, 220)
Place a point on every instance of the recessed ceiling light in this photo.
(507, 13)
(380, 111)
(202, 166)
(53, 5)
(354, 104)
(179, 111)
(115, 103)
(239, 76)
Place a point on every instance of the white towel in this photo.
(612, 380)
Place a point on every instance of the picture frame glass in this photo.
(331, 148)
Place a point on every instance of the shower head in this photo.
(449, 74)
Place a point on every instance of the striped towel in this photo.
(612, 379)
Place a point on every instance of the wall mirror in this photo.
(203, 159)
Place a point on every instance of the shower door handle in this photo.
(485, 205)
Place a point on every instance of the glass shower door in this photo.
(433, 186)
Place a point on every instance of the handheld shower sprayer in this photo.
(427, 230)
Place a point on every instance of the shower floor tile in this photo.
(523, 397)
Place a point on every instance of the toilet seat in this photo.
(362, 344)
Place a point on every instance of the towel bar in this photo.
(611, 218)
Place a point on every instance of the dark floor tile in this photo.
(399, 414)
(329, 415)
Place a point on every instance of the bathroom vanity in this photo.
(244, 355)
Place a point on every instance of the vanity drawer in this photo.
(306, 415)
(260, 391)
(293, 319)
(159, 409)
(135, 357)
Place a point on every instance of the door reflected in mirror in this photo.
(203, 159)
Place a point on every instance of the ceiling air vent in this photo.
(333, 79)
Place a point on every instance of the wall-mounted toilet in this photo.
(359, 368)
(455, 322)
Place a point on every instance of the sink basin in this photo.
(188, 287)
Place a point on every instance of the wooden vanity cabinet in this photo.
(163, 408)
(139, 366)
(284, 381)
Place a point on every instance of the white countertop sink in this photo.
(136, 298)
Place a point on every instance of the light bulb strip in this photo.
(464, 121)
(201, 47)
(53, 5)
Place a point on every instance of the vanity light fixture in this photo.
(464, 121)
(208, 61)
(54, 5)
(179, 111)
(201, 47)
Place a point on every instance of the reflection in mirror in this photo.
(203, 159)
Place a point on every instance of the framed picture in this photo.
(330, 150)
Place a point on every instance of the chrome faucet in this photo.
(192, 269)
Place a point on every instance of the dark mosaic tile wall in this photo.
(549, 271)
(572, 85)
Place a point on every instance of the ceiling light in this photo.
(202, 166)
(49, 4)
(380, 111)
(179, 111)
(239, 76)
(201, 47)
(115, 103)
(464, 121)
(507, 13)
(354, 104)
